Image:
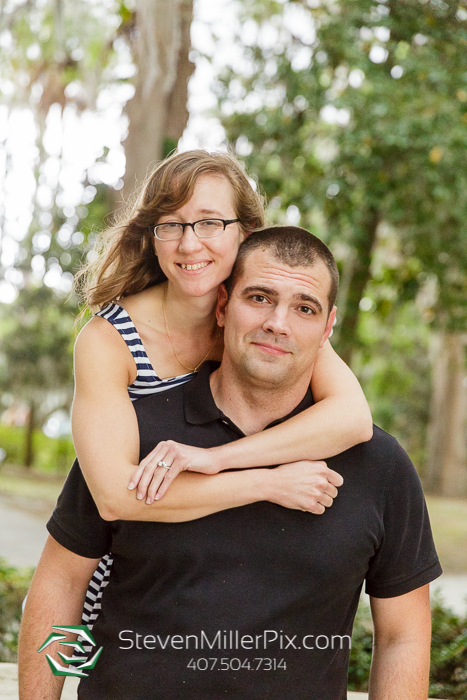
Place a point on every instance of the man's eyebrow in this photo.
(274, 293)
(264, 290)
(312, 300)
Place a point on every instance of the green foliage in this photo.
(448, 673)
(392, 362)
(14, 584)
(54, 455)
(357, 111)
(37, 343)
(50, 45)
(353, 117)
(360, 653)
(448, 655)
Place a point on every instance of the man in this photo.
(256, 601)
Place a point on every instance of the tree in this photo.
(354, 114)
(36, 357)
(64, 63)
(61, 62)
(446, 472)
(158, 112)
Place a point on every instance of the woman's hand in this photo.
(153, 480)
(305, 485)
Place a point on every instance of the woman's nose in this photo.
(189, 242)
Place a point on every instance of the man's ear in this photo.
(222, 300)
(329, 325)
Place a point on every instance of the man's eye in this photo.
(259, 298)
(306, 310)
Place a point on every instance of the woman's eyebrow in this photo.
(210, 211)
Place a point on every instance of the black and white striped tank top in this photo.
(146, 382)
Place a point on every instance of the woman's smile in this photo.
(194, 266)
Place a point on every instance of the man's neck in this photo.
(250, 406)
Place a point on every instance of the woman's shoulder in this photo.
(99, 336)
(101, 356)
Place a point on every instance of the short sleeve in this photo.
(406, 558)
(76, 523)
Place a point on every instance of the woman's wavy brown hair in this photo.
(123, 260)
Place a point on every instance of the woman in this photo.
(151, 334)
(178, 330)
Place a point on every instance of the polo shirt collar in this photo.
(200, 406)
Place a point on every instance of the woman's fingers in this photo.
(177, 465)
(174, 464)
(305, 485)
(334, 478)
(331, 490)
(325, 500)
(151, 473)
(143, 476)
(157, 453)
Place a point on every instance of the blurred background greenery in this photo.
(352, 118)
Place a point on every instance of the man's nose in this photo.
(189, 242)
(277, 322)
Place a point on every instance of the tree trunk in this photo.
(363, 245)
(158, 112)
(29, 436)
(446, 472)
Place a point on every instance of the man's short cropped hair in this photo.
(291, 245)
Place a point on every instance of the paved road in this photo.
(22, 537)
(22, 534)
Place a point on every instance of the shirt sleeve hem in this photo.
(431, 572)
(70, 542)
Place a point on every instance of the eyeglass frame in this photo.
(225, 223)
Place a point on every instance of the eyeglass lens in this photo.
(205, 229)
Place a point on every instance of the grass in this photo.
(448, 518)
(51, 455)
(30, 490)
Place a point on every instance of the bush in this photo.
(448, 673)
(360, 653)
(14, 584)
(448, 654)
(54, 455)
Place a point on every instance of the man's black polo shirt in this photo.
(251, 603)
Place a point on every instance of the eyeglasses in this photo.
(204, 228)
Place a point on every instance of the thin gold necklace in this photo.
(190, 369)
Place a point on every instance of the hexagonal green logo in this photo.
(82, 662)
